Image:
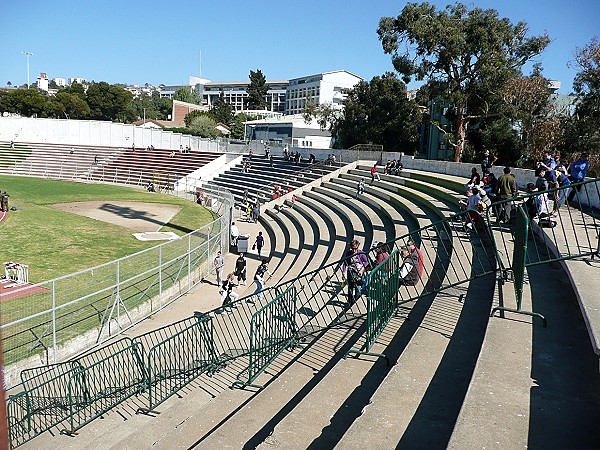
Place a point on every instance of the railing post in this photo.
(54, 320)
(189, 258)
(160, 288)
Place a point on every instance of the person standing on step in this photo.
(259, 243)
(353, 271)
(235, 234)
(259, 279)
(505, 188)
(578, 171)
(240, 269)
(360, 188)
(374, 174)
(219, 263)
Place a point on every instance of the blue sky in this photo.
(137, 42)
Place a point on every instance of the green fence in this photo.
(272, 330)
(159, 363)
(382, 300)
(178, 359)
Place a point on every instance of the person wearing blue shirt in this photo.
(578, 172)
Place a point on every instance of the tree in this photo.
(379, 112)
(188, 95)
(238, 128)
(189, 117)
(464, 55)
(221, 110)
(108, 102)
(67, 106)
(204, 126)
(583, 128)
(9, 83)
(257, 91)
(76, 89)
(27, 102)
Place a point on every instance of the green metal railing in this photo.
(178, 359)
(382, 301)
(272, 330)
(159, 363)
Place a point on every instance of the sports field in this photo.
(54, 232)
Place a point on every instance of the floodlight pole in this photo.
(27, 55)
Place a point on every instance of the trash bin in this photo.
(242, 243)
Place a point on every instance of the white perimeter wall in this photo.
(97, 133)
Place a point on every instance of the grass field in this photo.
(55, 243)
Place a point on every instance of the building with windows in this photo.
(289, 129)
(326, 87)
(42, 82)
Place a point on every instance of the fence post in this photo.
(54, 319)
(189, 258)
(160, 288)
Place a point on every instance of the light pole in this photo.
(27, 55)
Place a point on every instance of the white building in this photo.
(289, 129)
(42, 82)
(60, 81)
(76, 80)
(326, 87)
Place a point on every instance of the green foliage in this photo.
(583, 128)
(204, 126)
(188, 95)
(464, 54)
(257, 91)
(237, 126)
(221, 110)
(67, 105)
(378, 112)
(28, 102)
(189, 117)
(108, 102)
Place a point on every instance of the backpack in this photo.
(354, 272)
(481, 206)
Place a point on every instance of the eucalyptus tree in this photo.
(465, 55)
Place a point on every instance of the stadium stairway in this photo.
(449, 386)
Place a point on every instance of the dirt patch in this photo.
(137, 216)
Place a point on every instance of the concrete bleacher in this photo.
(105, 164)
(449, 387)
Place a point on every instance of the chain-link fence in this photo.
(72, 313)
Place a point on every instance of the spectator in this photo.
(489, 184)
(259, 279)
(255, 212)
(311, 159)
(415, 251)
(219, 263)
(360, 188)
(505, 189)
(487, 162)
(374, 174)
(381, 252)
(548, 162)
(270, 160)
(409, 270)
(228, 295)
(578, 172)
(259, 243)
(353, 271)
(475, 178)
(240, 269)
(541, 184)
(235, 234)
(560, 196)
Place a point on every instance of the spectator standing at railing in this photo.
(560, 196)
(578, 171)
(505, 189)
